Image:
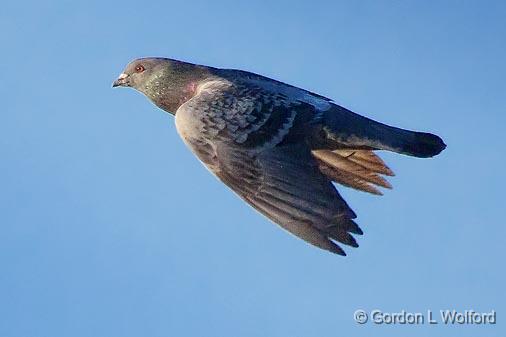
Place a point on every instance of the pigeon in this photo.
(278, 147)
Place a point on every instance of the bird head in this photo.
(139, 73)
(167, 83)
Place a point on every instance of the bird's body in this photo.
(275, 145)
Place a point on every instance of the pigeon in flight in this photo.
(277, 146)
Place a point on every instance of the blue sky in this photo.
(110, 227)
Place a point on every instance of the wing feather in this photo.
(291, 191)
(256, 143)
(359, 169)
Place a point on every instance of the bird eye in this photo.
(139, 68)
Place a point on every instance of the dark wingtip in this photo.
(336, 249)
(352, 227)
(353, 243)
(339, 252)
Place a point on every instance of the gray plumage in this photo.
(277, 146)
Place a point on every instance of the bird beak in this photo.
(122, 81)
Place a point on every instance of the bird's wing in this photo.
(285, 184)
(253, 141)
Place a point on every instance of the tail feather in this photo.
(349, 129)
(424, 145)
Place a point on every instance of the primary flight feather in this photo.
(277, 146)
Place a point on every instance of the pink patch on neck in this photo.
(189, 92)
(191, 88)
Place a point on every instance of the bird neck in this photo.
(174, 86)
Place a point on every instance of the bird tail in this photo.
(346, 128)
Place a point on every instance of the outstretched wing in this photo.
(254, 141)
(285, 184)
